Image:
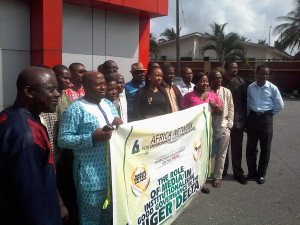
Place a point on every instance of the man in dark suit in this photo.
(238, 90)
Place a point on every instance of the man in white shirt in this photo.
(185, 85)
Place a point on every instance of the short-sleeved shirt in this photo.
(74, 93)
(184, 88)
(130, 89)
(191, 99)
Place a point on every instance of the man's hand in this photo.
(99, 135)
(117, 122)
(64, 214)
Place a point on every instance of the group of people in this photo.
(54, 158)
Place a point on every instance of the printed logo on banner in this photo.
(136, 146)
(197, 149)
(139, 180)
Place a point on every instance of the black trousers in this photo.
(66, 187)
(259, 128)
(236, 145)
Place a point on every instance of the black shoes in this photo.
(205, 190)
(224, 174)
(241, 179)
(261, 180)
(251, 176)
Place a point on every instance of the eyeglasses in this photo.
(112, 67)
(80, 71)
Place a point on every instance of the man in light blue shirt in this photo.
(81, 129)
(263, 101)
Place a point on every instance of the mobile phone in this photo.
(107, 128)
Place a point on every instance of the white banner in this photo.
(158, 164)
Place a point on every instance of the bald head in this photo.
(37, 90)
(94, 86)
(90, 76)
(33, 76)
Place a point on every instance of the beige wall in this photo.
(191, 47)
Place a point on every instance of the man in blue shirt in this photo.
(263, 101)
(28, 193)
(81, 129)
(131, 87)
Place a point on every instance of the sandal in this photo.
(216, 183)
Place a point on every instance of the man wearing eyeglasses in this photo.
(109, 67)
(75, 89)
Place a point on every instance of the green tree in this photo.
(168, 34)
(262, 42)
(226, 46)
(289, 31)
(153, 45)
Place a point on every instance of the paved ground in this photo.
(275, 202)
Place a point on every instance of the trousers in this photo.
(236, 146)
(259, 128)
(222, 143)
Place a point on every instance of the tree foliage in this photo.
(226, 46)
(153, 44)
(168, 34)
(262, 42)
(289, 31)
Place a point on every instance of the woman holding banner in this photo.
(151, 100)
(201, 95)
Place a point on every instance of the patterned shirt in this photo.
(172, 99)
(74, 93)
(50, 121)
(226, 118)
(184, 88)
(78, 122)
(121, 105)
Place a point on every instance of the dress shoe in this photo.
(261, 180)
(240, 179)
(251, 176)
(224, 174)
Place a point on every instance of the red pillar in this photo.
(46, 32)
(144, 40)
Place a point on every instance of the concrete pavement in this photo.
(275, 202)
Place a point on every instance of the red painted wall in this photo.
(46, 32)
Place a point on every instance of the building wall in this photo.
(92, 36)
(14, 46)
(194, 44)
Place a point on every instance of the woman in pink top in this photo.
(200, 95)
